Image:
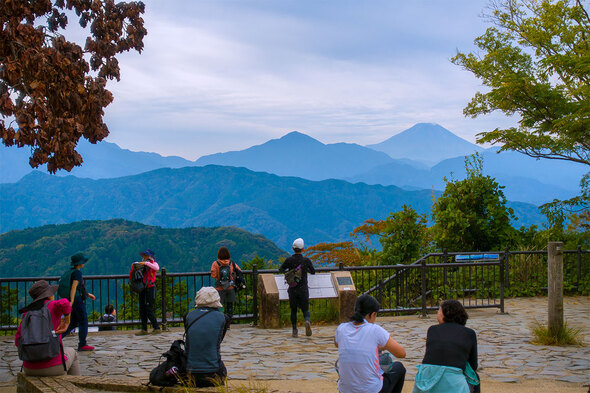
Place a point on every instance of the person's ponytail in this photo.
(365, 304)
(357, 317)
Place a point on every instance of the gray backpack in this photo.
(38, 342)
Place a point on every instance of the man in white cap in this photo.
(298, 266)
(205, 329)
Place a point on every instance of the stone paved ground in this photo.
(505, 352)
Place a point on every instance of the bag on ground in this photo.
(136, 278)
(173, 368)
(38, 342)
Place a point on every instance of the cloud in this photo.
(216, 76)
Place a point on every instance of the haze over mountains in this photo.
(408, 163)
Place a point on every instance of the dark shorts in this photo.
(227, 295)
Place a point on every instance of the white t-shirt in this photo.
(358, 357)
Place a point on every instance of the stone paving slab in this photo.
(505, 351)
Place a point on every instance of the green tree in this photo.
(8, 304)
(534, 60)
(535, 64)
(53, 92)
(471, 214)
(405, 237)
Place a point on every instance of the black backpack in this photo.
(38, 342)
(173, 369)
(168, 372)
(136, 278)
(65, 284)
(225, 277)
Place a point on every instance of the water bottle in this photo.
(173, 371)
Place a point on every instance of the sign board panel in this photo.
(320, 286)
(344, 280)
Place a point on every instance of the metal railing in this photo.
(414, 288)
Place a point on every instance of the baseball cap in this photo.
(298, 244)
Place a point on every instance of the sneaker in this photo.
(157, 331)
(307, 328)
(86, 348)
(141, 333)
(295, 333)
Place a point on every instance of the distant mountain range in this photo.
(101, 161)
(296, 154)
(407, 164)
(280, 208)
(113, 245)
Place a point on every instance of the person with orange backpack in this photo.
(228, 278)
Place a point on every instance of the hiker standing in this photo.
(298, 291)
(205, 329)
(72, 287)
(225, 272)
(147, 297)
(44, 296)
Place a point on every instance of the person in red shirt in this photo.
(43, 293)
(147, 297)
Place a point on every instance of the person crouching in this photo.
(205, 329)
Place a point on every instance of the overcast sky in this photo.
(219, 75)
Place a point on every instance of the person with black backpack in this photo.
(147, 293)
(73, 288)
(38, 335)
(296, 268)
(228, 279)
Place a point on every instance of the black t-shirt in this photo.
(306, 267)
(81, 288)
(451, 344)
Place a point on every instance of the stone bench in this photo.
(86, 384)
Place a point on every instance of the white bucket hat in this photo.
(207, 297)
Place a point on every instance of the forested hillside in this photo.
(113, 245)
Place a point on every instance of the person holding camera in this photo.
(228, 279)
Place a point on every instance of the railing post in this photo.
(341, 265)
(445, 261)
(423, 274)
(502, 264)
(507, 267)
(579, 267)
(255, 293)
(164, 310)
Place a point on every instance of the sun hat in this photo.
(207, 297)
(147, 252)
(41, 290)
(298, 244)
(78, 259)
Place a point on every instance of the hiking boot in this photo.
(307, 328)
(141, 333)
(86, 348)
(294, 333)
(157, 331)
